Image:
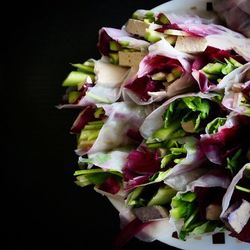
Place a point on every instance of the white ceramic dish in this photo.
(162, 230)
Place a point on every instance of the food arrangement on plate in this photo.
(164, 125)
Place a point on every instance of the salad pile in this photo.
(164, 124)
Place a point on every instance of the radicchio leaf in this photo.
(213, 178)
(234, 134)
(231, 202)
(128, 232)
(228, 195)
(162, 57)
(141, 164)
(83, 118)
(121, 118)
(114, 160)
(110, 185)
(189, 168)
(205, 30)
(106, 35)
(220, 37)
(152, 230)
(212, 55)
(108, 85)
(237, 88)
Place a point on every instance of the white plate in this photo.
(162, 230)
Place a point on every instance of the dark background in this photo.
(45, 209)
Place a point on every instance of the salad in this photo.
(163, 126)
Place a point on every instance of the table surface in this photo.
(45, 207)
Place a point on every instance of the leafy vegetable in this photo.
(213, 126)
(97, 177)
(180, 112)
(185, 206)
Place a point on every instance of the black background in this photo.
(45, 209)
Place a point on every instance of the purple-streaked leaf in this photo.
(121, 117)
(236, 210)
(106, 35)
(162, 57)
(83, 118)
(231, 136)
(237, 87)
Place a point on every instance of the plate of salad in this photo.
(163, 126)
